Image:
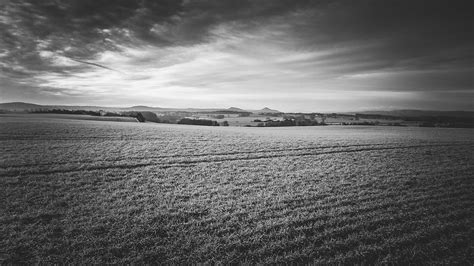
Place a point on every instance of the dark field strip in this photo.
(191, 161)
(418, 213)
(427, 221)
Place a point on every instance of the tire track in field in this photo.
(214, 154)
(192, 155)
(196, 155)
(190, 163)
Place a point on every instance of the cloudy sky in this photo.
(291, 55)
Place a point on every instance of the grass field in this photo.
(75, 191)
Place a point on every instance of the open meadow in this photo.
(80, 191)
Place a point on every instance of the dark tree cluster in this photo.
(290, 123)
(200, 122)
(140, 116)
(70, 112)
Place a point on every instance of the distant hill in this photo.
(19, 106)
(266, 110)
(23, 107)
(231, 110)
(144, 108)
(236, 109)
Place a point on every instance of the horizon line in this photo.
(226, 108)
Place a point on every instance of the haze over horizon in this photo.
(294, 56)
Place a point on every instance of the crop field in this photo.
(79, 191)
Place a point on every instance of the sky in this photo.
(290, 55)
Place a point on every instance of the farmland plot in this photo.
(110, 192)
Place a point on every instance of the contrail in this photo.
(94, 64)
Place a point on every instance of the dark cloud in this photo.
(408, 28)
(75, 28)
(393, 33)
